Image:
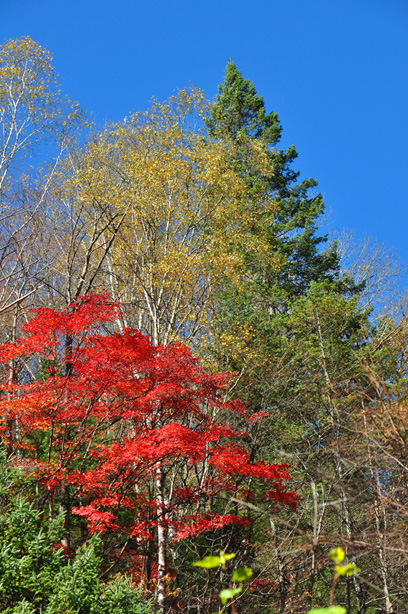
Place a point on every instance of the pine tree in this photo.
(287, 213)
(239, 110)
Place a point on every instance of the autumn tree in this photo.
(133, 437)
(50, 251)
(171, 187)
(33, 115)
(380, 271)
(32, 108)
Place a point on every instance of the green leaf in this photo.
(208, 562)
(224, 557)
(337, 555)
(335, 609)
(241, 574)
(347, 570)
(229, 593)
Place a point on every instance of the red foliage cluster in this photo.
(124, 411)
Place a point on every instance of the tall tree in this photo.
(36, 123)
(32, 108)
(285, 212)
(280, 252)
(172, 189)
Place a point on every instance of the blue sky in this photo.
(335, 72)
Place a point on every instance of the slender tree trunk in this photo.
(12, 426)
(380, 517)
(281, 577)
(317, 527)
(335, 416)
(161, 540)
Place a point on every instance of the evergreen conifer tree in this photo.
(287, 213)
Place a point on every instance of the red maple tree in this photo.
(133, 438)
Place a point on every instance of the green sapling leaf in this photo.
(224, 557)
(241, 574)
(229, 593)
(337, 555)
(208, 562)
(347, 570)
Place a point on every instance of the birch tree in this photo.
(34, 117)
(176, 194)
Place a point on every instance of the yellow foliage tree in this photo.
(32, 112)
(32, 107)
(178, 200)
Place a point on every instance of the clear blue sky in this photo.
(336, 72)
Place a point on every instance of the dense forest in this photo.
(189, 367)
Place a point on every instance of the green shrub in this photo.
(36, 577)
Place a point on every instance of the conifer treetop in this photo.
(239, 110)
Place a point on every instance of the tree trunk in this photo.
(161, 540)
